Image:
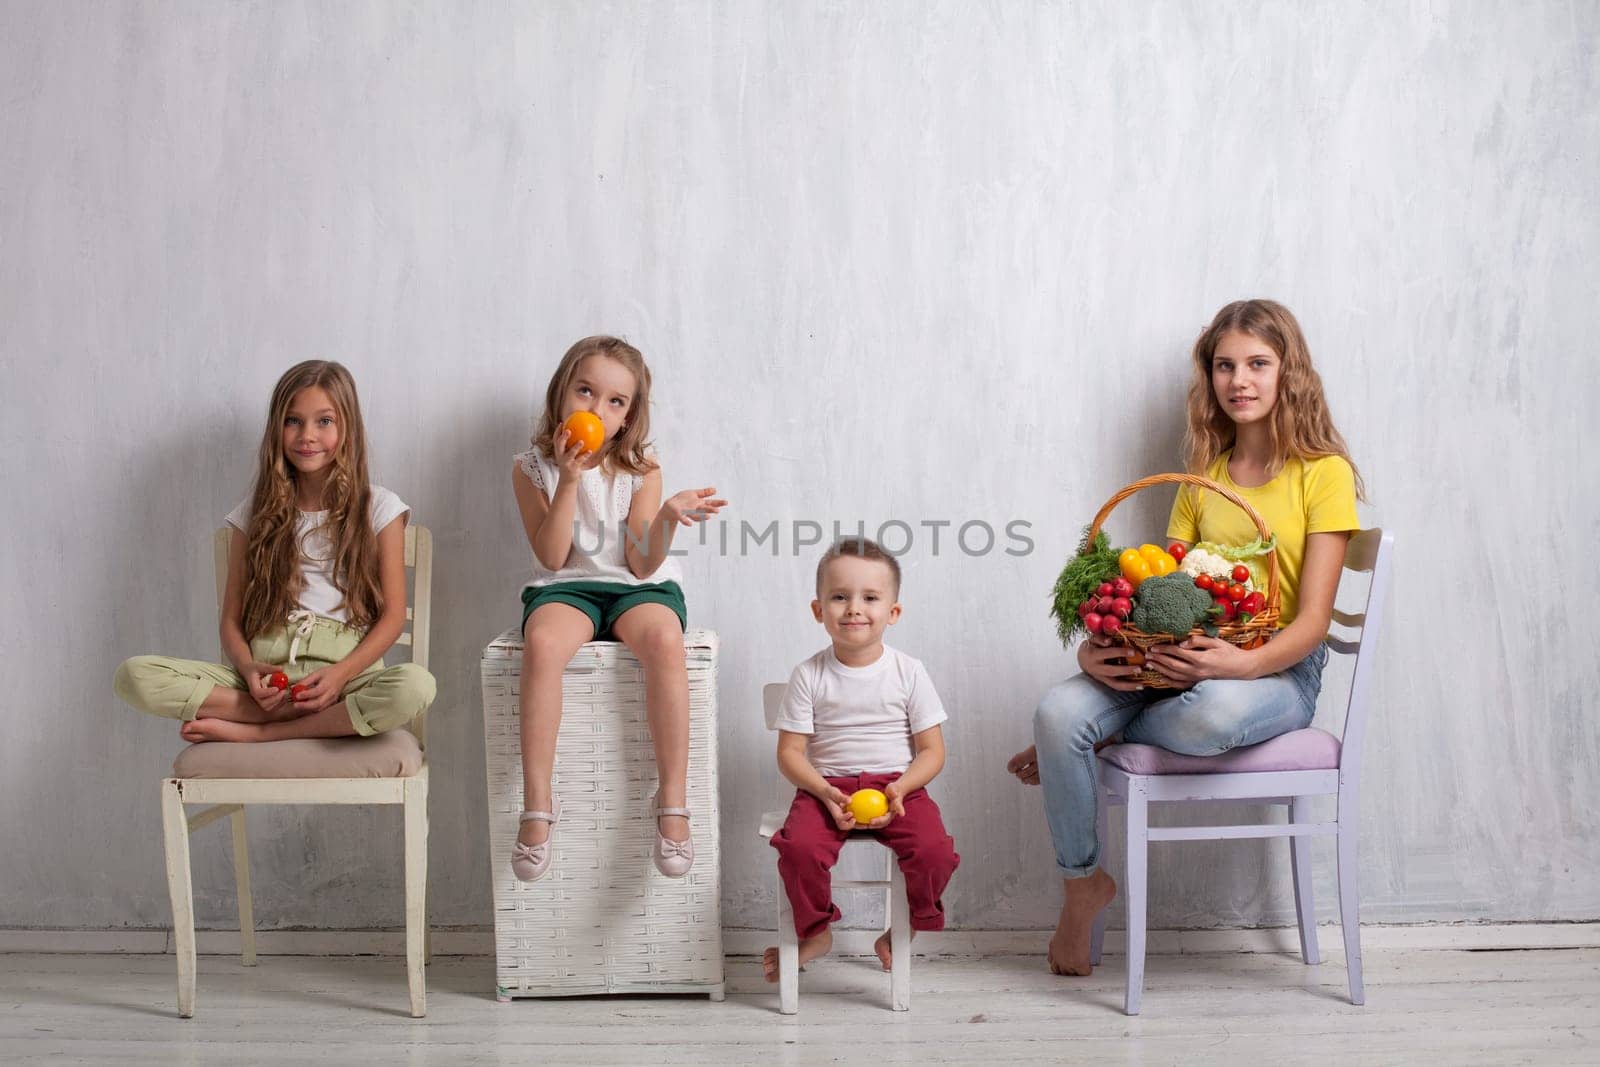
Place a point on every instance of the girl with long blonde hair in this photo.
(1258, 424)
(315, 592)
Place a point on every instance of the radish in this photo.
(1110, 624)
(1093, 622)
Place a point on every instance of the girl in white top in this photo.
(601, 533)
(315, 593)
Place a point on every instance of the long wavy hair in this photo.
(1299, 423)
(272, 550)
(627, 451)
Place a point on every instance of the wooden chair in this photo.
(1289, 769)
(893, 883)
(230, 795)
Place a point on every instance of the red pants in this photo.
(808, 847)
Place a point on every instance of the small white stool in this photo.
(604, 920)
(896, 905)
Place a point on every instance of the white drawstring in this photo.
(302, 621)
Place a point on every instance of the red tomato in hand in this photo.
(1205, 581)
(279, 680)
(1241, 573)
(1237, 592)
(296, 690)
(1176, 551)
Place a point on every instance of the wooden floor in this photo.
(1433, 1007)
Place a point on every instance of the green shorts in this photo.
(604, 602)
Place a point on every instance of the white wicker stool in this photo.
(604, 920)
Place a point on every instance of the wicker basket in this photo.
(604, 920)
(1247, 633)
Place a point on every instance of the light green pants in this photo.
(379, 698)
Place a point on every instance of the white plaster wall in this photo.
(888, 260)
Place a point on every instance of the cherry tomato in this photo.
(1177, 551)
(279, 680)
(1241, 573)
(1237, 592)
(1205, 581)
(296, 689)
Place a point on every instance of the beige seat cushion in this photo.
(394, 754)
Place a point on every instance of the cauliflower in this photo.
(1200, 561)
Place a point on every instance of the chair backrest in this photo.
(772, 702)
(1355, 633)
(419, 605)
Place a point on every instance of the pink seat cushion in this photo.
(1298, 750)
(394, 754)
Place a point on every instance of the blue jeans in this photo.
(1212, 717)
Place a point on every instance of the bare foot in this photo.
(810, 949)
(1085, 898)
(884, 947)
(219, 730)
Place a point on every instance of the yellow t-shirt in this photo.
(1308, 496)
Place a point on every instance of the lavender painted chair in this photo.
(1290, 769)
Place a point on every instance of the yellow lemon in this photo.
(868, 804)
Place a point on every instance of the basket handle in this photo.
(1201, 483)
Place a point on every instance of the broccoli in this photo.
(1170, 604)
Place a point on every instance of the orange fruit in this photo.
(868, 804)
(586, 429)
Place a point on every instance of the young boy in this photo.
(859, 715)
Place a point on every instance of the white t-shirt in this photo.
(860, 718)
(599, 537)
(317, 591)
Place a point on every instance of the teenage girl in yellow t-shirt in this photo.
(1258, 423)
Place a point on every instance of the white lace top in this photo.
(599, 535)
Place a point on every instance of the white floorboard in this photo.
(1423, 1006)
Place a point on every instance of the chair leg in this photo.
(788, 956)
(1138, 845)
(1350, 899)
(1305, 907)
(175, 827)
(416, 835)
(899, 941)
(1102, 823)
(241, 877)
